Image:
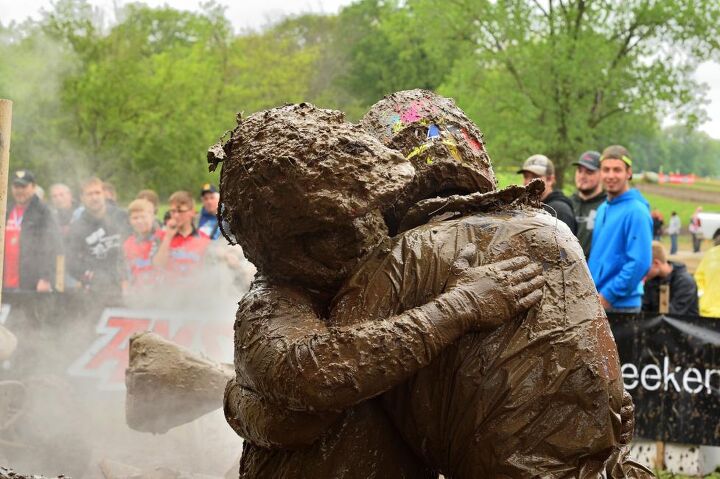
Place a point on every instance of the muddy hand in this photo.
(627, 418)
(494, 293)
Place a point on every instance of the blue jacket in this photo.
(621, 250)
(208, 224)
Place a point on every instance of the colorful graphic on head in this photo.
(438, 138)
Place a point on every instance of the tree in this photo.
(146, 96)
(559, 76)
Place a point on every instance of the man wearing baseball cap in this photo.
(622, 239)
(588, 197)
(554, 201)
(32, 238)
(208, 222)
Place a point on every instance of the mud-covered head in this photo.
(302, 191)
(445, 147)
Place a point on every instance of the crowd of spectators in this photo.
(98, 247)
(619, 235)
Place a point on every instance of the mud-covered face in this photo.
(329, 253)
(444, 146)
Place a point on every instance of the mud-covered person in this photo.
(538, 397)
(313, 190)
(94, 253)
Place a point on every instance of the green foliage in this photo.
(138, 101)
(677, 149)
(564, 77)
(143, 101)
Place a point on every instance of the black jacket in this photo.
(39, 244)
(95, 245)
(585, 211)
(683, 292)
(558, 205)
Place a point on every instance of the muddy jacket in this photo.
(557, 204)
(95, 246)
(491, 402)
(683, 292)
(585, 212)
(40, 243)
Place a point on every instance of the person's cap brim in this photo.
(535, 170)
(21, 182)
(587, 165)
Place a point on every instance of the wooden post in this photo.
(5, 124)
(659, 455)
(60, 273)
(664, 307)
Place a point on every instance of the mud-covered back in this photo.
(543, 389)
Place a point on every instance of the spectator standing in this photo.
(588, 197)
(674, 230)
(140, 247)
(32, 238)
(658, 222)
(110, 193)
(208, 222)
(63, 206)
(622, 239)
(554, 202)
(694, 228)
(95, 255)
(707, 278)
(683, 290)
(154, 199)
(183, 247)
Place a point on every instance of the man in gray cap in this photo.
(588, 197)
(32, 238)
(554, 201)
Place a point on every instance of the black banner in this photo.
(671, 367)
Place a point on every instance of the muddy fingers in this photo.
(530, 300)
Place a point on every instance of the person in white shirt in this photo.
(674, 230)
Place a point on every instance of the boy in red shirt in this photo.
(141, 246)
(182, 249)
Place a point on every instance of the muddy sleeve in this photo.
(289, 355)
(261, 422)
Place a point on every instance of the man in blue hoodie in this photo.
(621, 251)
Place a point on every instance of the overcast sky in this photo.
(254, 14)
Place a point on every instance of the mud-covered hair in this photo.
(300, 172)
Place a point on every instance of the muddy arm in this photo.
(290, 356)
(262, 423)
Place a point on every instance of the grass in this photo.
(684, 209)
(670, 475)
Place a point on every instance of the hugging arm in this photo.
(288, 359)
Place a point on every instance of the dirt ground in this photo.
(681, 194)
(691, 260)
